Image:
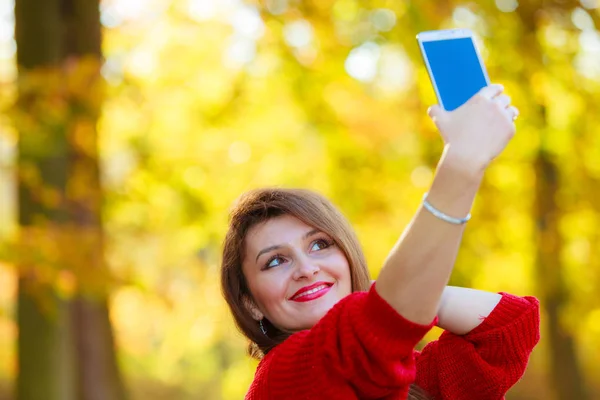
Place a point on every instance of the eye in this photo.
(274, 261)
(320, 244)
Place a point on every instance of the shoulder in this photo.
(284, 362)
(362, 348)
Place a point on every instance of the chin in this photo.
(318, 313)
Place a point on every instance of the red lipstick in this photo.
(311, 292)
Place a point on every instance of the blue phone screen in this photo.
(456, 70)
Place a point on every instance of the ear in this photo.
(251, 307)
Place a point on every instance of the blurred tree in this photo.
(331, 95)
(565, 370)
(65, 340)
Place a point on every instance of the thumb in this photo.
(435, 112)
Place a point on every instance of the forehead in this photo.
(277, 230)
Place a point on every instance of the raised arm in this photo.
(418, 267)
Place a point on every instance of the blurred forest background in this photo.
(128, 127)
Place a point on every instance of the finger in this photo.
(503, 100)
(491, 91)
(513, 112)
(435, 112)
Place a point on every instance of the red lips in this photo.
(311, 292)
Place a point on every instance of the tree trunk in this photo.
(46, 369)
(565, 372)
(65, 342)
(564, 367)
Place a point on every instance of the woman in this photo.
(296, 281)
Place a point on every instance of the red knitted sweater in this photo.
(363, 349)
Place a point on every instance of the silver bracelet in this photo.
(437, 213)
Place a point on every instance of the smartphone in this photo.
(454, 65)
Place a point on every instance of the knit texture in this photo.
(363, 349)
(487, 361)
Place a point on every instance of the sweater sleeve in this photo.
(362, 348)
(487, 361)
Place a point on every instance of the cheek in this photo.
(344, 274)
(342, 266)
(347, 286)
(269, 289)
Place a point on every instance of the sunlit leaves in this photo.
(330, 98)
(207, 99)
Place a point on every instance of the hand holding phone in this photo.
(474, 118)
(479, 130)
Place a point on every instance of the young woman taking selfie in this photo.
(296, 281)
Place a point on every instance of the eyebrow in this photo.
(278, 246)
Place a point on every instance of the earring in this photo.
(262, 327)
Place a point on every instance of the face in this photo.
(295, 273)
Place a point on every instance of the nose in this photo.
(305, 269)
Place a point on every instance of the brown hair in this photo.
(258, 206)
